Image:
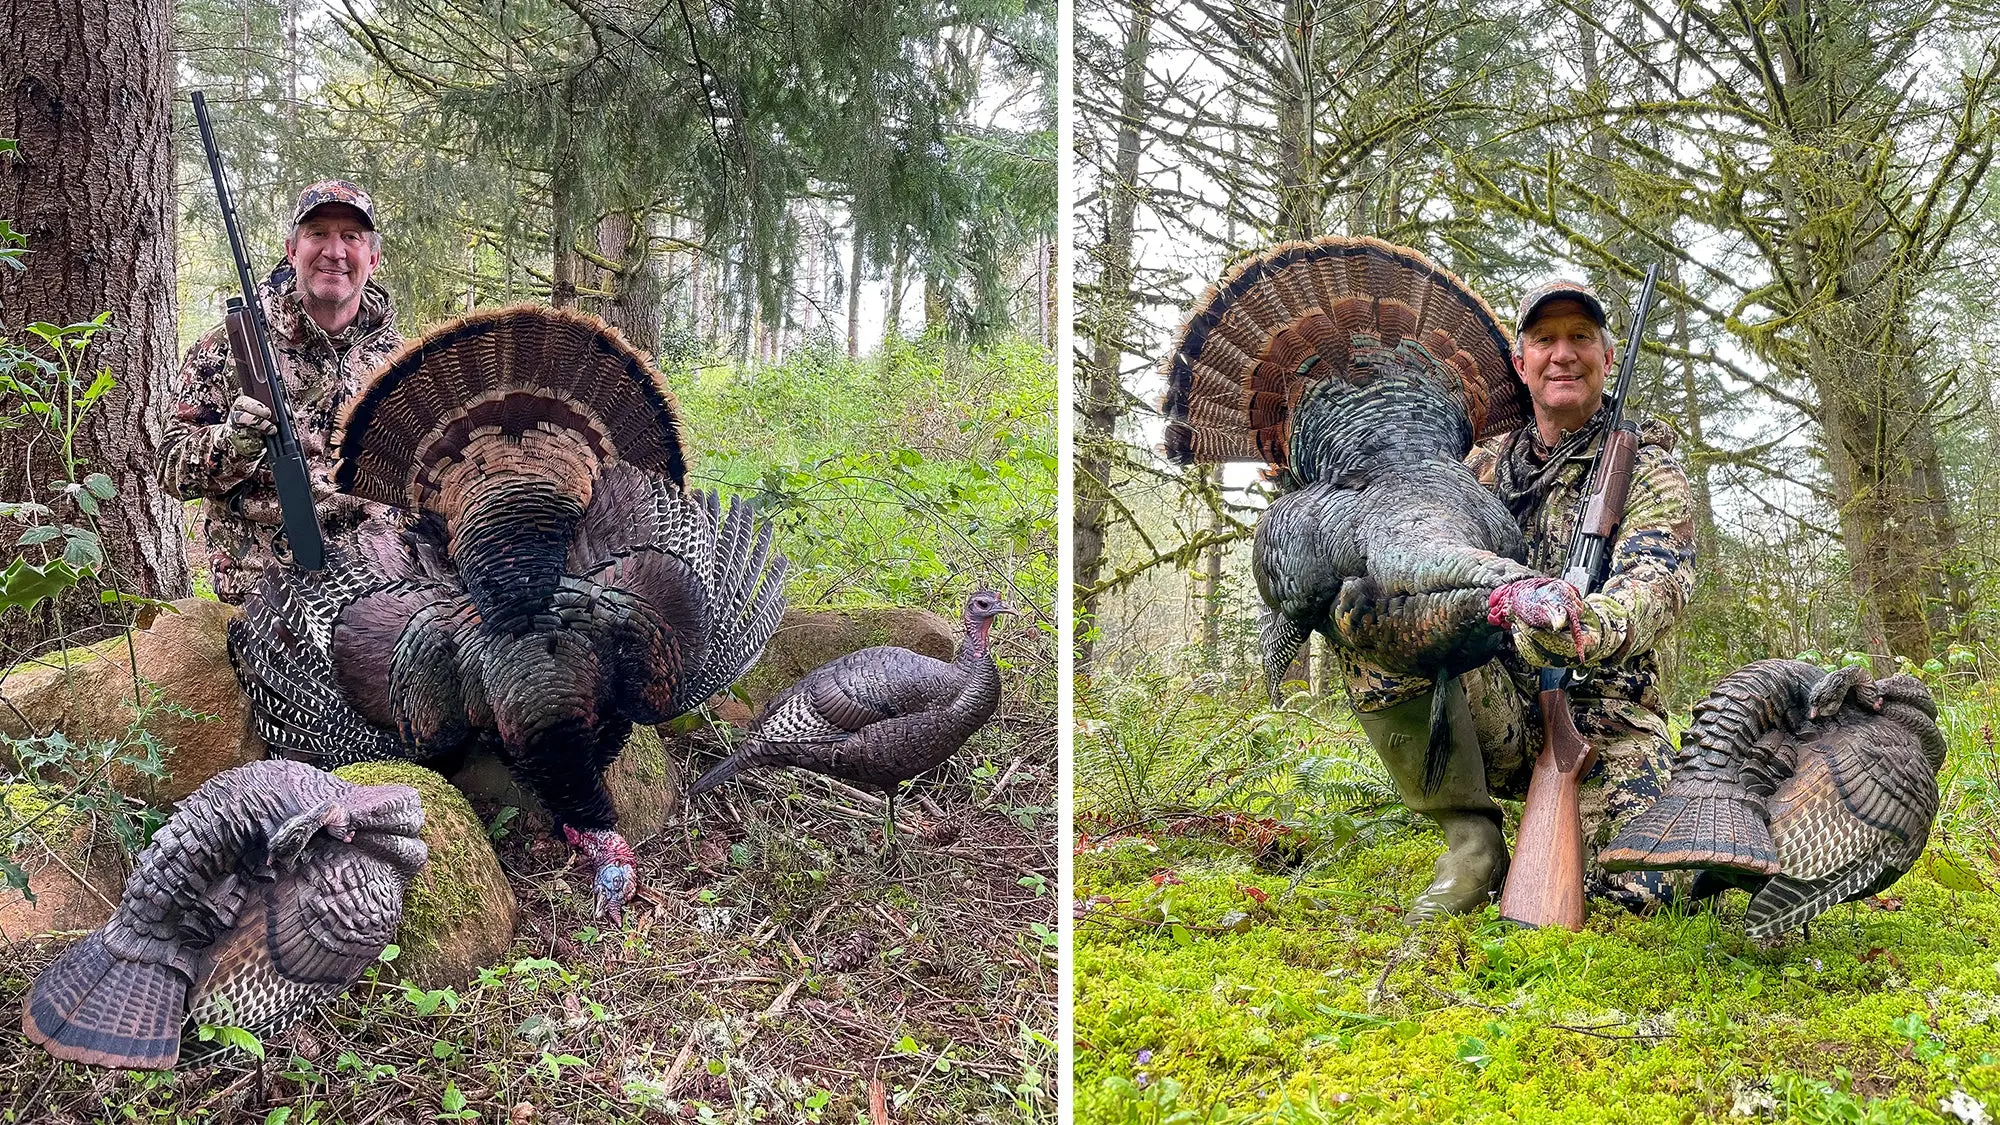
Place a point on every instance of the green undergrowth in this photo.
(1221, 978)
(905, 477)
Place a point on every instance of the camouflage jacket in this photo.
(1650, 582)
(241, 523)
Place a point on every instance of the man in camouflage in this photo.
(330, 325)
(1564, 349)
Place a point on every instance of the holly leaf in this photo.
(27, 586)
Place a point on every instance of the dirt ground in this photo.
(774, 968)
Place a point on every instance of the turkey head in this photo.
(560, 583)
(270, 891)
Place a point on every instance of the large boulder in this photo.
(87, 694)
(459, 914)
(75, 872)
(645, 787)
(808, 638)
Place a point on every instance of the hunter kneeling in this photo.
(1564, 349)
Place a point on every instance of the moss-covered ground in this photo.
(1221, 978)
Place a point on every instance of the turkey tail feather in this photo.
(1305, 316)
(92, 1006)
(722, 771)
(747, 591)
(1679, 831)
(544, 392)
(1437, 754)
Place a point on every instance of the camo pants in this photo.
(1633, 762)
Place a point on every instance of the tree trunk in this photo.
(892, 320)
(937, 302)
(1102, 400)
(854, 298)
(86, 89)
(563, 261)
(1211, 584)
(1298, 187)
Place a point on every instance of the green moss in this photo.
(645, 756)
(1330, 1009)
(21, 804)
(443, 896)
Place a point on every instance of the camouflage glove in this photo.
(1551, 624)
(248, 425)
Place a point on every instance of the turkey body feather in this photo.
(560, 586)
(1362, 374)
(272, 889)
(878, 717)
(1807, 788)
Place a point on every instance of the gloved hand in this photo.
(243, 432)
(1551, 624)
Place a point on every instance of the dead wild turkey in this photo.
(1807, 788)
(877, 717)
(560, 584)
(1363, 374)
(270, 891)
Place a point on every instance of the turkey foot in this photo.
(616, 879)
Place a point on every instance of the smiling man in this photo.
(330, 325)
(1564, 350)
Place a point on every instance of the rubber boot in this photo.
(1474, 865)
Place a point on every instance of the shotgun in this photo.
(257, 368)
(1545, 884)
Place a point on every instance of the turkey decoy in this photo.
(1808, 789)
(271, 889)
(1362, 374)
(877, 717)
(559, 585)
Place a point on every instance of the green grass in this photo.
(1317, 1004)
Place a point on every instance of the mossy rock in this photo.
(459, 914)
(811, 636)
(61, 847)
(87, 694)
(644, 783)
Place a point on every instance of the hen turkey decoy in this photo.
(270, 891)
(1362, 373)
(560, 583)
(1808, 789)
(877, 717)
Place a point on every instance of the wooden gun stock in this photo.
(1545, 881)
(247, 356)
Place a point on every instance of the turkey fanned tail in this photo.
(1713, 814)
(91, 1007)
(747, 592)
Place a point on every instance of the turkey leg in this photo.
(1474, 864)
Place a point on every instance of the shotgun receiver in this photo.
(1545, 883)
(257, 368)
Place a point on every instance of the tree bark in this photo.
(892, 320)
(86, 90)
(854, 297)
(1298, 187)
(1101, 402)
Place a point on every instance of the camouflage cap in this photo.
(334, 191)
(1563, 289)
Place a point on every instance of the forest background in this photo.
(1815, 179)
(834, 227)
